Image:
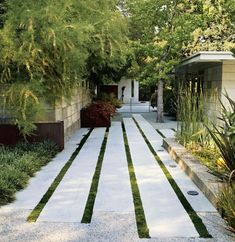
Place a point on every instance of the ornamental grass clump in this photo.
(192, 117)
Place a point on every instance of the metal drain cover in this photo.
(193, 193)
(160, 150)
(172, 165)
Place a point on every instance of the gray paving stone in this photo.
(168, 133)
(164, 213)
(68, 202)
(114, 191)
(38, 185)
(199, 203)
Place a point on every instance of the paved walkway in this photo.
(114, 191)
(68, 202)
(158, 197)
(113, 215)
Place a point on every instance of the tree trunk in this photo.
(160, 102)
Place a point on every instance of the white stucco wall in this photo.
(128, 92)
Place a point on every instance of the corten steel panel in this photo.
(10, 134)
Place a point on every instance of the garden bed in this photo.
(19, 163)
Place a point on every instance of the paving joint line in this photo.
(33, 216)
(88, 211)
(163, 136)
(142, 227)
(197, 221)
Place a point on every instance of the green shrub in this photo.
(20, 162)
(28, 163)
(226, 204)
(14, 177)
(6, 192)
(111, 98)
(97, 114)
(207, 155)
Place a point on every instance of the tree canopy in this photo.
(165, 31)
(48, 47)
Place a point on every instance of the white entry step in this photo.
(38, 185)
(165, 215)
(114, 190)
(199, 203)
(68, 202)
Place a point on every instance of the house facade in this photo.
(214, 71)
(126, 90)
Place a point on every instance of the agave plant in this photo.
(224, 138)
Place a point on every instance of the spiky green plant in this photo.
(191, 116)
(224, 137)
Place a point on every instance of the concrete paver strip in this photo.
(199, 203)
(168, 133)
(114, 190)
(68, 202)
(38, 185)
(164, 213)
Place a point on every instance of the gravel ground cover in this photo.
(105, 226)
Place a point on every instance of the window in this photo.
(132, 88)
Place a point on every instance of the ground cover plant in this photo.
(19, 163)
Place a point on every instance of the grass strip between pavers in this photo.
(142, 227)
(87, 215)
(163, 136)
(38, 209)
(197, 221)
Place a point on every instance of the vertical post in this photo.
(131, 105)
(160, 102)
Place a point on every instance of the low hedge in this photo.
(19, 163)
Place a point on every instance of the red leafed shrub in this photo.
(97, 114)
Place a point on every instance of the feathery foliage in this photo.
(48, 47)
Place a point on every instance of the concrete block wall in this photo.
(212, 88)
(228, 84)
(68, 110)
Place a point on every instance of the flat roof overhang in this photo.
(204, 59)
